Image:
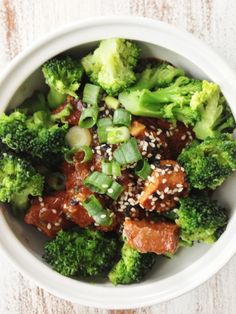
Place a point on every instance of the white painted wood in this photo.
(21, 22)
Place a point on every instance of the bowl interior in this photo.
(33, 240)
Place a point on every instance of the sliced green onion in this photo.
(143, 169)
(115, 190)
(56, 181)
(94, 208)
(98, 182)
(103, 124)
(116, 135)
(112, 102)
(78, 137)
(88, 117)
(122, 117)
(88, 154)
(111, 168)
(91, 94)
(128, 152)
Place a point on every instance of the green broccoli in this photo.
(81, 253)
(132, 266)
(111, 64)
(200, 219)
(37, 135)
(63, 75)
(160, 75)
(18, 180)
(209, 163)
(215, 115)
(171, 102)
(37, 102)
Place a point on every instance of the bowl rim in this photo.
(143, 294)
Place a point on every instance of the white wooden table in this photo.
(23, 21)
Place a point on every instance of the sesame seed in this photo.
(176, 199)
(103, 216)
(152, 167)
(179, 185)
(183, 137)
(164, 180)
(54, 211)
(49, 226)
(166, 190)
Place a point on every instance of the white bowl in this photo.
(23, 244)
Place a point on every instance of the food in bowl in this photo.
(117, 162)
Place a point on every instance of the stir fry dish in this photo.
(116, 164)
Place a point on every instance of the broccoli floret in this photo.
(209, 163)
(160, 75)
(171, 102)
(215, 115)
(63, 75)
(83, 252)
(132, 267)
(200, 219)
(111, 64)
(18, 180)
(36, 135)
(37, 102)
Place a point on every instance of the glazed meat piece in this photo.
(46, 213)
(145, 236)
(73, 118)
(73, 208)
(151, 141)
(164, 187)
(178, 137)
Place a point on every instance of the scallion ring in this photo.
(88, 117)
(143, 169)
(91, 94)
(88, 154)
(115, 190)
(100, 215)
(98, 182)
(128, 152)
(122, 117)
(116, 135)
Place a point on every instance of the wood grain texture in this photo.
(23, 21)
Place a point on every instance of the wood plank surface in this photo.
(23, 21)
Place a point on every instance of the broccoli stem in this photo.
(55, 98)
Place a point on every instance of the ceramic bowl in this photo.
(171, 277)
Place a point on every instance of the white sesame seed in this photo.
(164, 180)
(49, 226)
(110, 190)
(166, 190)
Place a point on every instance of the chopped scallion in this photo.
(91, 94)
(88, 154)
(111, 168)
(103, 124)
(88, 117)
(116, 135)
(122, 117)
(143, 169)
(100, 215)
(115, 190)
(128, 152)
(98, 182)
(112, 102)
